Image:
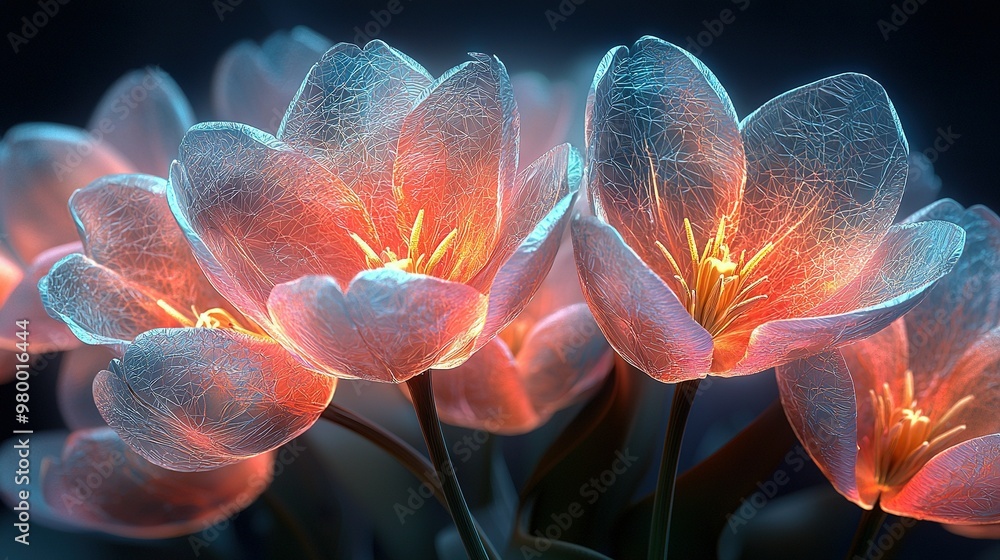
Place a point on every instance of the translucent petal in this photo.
(546, 110)
(92, 480)
(46, 334)
(637, 312)
(990, 531)
(826, 164)
(259, 213)
(818, 396)
(959, 485)
(144, 116)
(539, 187)
(663, 145)
(40, 167)
(563, 358)
(389, 325)
(254, 84)
(521, 275)
(485, 393)
(10, 274)
(199, 399)
(126, 226)
(906, 263)
(965, 304)
(348, 115)
(456, 161)
(74, 386)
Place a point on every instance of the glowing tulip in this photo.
(185, 398)
(549, 358)
(725, 248)
(386, 229)
(907, 418)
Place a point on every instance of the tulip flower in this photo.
(385, 230)
(725, 248)
(197, 386)
(906, 420)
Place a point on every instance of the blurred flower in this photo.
(199, 386)
(547, 359)
(253, 84)
(91, 480)
(725, 249)
(922, 185)
(546, 109)
(386, 229)
(908, 418)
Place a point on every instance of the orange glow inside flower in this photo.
(215, 318)
(905, 438)
(721, 288)
(414, 260)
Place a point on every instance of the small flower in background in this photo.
(197, 386)
(725, 248)
(922, 185)
(254, 84)
(907, 418)
(380, 234)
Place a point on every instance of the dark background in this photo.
(939, 66)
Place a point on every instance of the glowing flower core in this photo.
(720, 288)
(415, 261)
(215, 318)
(907, 438)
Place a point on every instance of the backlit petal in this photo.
(637, 312)
(826, 164)
(45, 333)
(144, 116)
(348, 115)
(10, 274)
(199, 399)
(959, 485)
(389, 325)
(254, 84)
(663, 145)
(74, 386)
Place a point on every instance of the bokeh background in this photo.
(938, 61)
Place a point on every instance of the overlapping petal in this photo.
(199, 399)
(387, 326)
(24, 303)
(74, 386)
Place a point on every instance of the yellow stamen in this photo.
(215, 318)
(414, 261)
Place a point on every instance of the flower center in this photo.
(215, 318)
(720, 289)
(906, 438)
(414, 261)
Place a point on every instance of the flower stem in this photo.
(405, 454)
(663, 502)
(868, 528)
(423, 404)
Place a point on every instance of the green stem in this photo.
(868, 528)
(663, 503)
(423, 404)
(403, 452)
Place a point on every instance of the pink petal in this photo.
(199, 399)
(273, 216)
(546, 109)
(826, 164)
(638, 314)
(818, 396)
(457, 158)
(662, 145)
(991, 531)
(254, 84)
(10, 274)
(563, 358)
(45, 333)
(959, 485)
(92, 480)
(907, 262)
(486, 393)
(40, 167)
(348, 115)
(74, 386)
(144, 116)
(388, 326)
